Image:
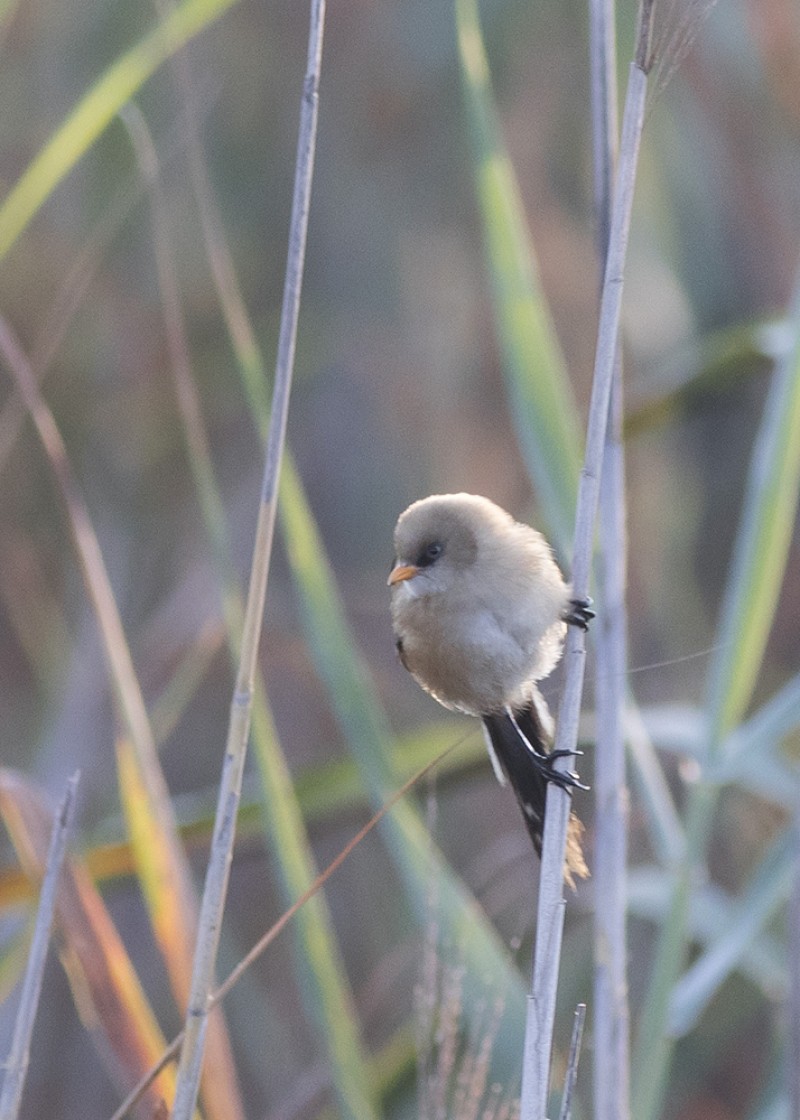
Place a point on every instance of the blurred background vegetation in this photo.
(399, 392)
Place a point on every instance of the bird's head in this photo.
(437, 541)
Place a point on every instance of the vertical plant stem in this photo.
(241, 706)
(572, 1061)
(793, 1056)
(605, 123)
(16, 1065)
(550, 921)
(611, 1068)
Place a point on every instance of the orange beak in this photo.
(402, 572)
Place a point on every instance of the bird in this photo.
(479, 609)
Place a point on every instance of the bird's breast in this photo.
(464, 658)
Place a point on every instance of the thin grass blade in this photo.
(541, 403)
(151, 861)
(611, 1070)
(16, 1065)
(793, 999)
(105, 987)
(664, 822)
(761, 548)
(95, 111)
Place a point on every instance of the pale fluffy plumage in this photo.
(483, 622)
(478, 606)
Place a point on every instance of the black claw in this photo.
(564, 754)
(565, 779)
(580, 613)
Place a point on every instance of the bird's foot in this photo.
(544, 762)
(564, 779)
(579, 613)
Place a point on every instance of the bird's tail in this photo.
(528, 779)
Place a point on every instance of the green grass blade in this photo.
(422, 868)
(761, 548)
(95, 111)
(542, 406)
(320, 964)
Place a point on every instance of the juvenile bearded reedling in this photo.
(479, 609)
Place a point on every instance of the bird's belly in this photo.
(468, 675)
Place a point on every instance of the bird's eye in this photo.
(430, 554)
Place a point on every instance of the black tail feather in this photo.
(525, 778)
(528, 768)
